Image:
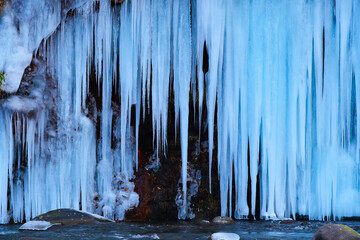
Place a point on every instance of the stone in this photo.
(61, 217)
(288, 221)
(224, 236)
(223, 220)
(305, 224)
(336, 232)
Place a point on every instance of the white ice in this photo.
(36, 226)
(224, 236)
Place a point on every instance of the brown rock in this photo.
(288, 222)
(305, 224)
(144, 189)
(336, 232)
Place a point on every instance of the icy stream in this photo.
(282, 89)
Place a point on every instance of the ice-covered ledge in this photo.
(23, 25)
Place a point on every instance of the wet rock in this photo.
(336, 232)
(144, 189)
(305, 224)
(202, 221)
(224, 236)
(158, 185)
(223, 220)
(157, 188)
(204, 204)
(268, 225)
(61, 217)
(290, 221)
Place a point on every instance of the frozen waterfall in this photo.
(279, 80)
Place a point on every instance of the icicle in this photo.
(213, 34)
(182, 75)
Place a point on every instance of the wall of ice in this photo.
(282, 96)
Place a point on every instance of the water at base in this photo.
(172, 230)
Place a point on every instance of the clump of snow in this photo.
(21, 104)
(98, 216)
(142, 236)
(224, 236)
(37, 225)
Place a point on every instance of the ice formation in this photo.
(23, 25)
(280, 84)
(224, 235)
(37, 226)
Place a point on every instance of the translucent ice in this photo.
(280, 80)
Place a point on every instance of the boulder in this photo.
(224, 236)
(61, 217)
(288, 222)
(336, 232)
(223, 220)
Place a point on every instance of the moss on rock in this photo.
(336, 232)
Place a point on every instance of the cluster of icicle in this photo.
(282, 86)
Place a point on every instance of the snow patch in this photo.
(224, 236)
(37, 225)
(142, 236)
